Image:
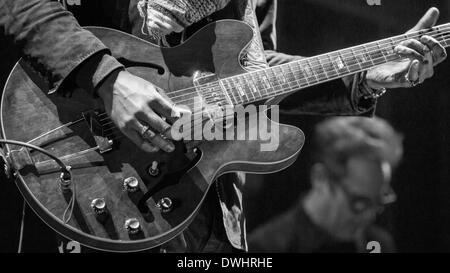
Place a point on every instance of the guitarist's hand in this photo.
(134, 106)
(419, 58)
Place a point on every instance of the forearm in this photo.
(52, 41)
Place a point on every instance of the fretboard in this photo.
(282, 79)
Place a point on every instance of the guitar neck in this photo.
(286, 78)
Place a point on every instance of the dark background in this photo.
(419, 220)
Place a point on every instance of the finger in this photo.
(164, 21)
(149, 136)
(148, 116)
(416, 45)
(164, 107)
(156, 122)
(413, 72)
(438, 51)
(140, 142)
(426, 69)
(428, 20)
(407, 52)
(166, 145)
(168, 22)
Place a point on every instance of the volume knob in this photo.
(165, 204)
(99, 206)
(131, 184)
(132, 225)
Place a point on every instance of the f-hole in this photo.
(130, 63)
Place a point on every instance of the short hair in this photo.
(340, 138)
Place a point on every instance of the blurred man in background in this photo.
(350, 179)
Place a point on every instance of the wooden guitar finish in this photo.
(28, 112)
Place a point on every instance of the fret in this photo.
(328, 66)
(352, 63)
(377, 56)
(273, 79)
(356, 58)
(381, 50)
(392, 43)
(280, 77)
(333, 63)
(388, 50)
(298, 77)
(252, 85)
(266, 81)
(396, 40)
(309, 72)
(342, 64)
(367, 54)
(302, 72)
(361, 55)
(245, 87)
(439, 33)
(227, 90)
(407, 36)
(318, 68)
(260, 83)
(291, 81)
(256, 80)
(239, 88)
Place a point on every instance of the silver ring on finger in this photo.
(432, 56)
(411, 83)
(147, 133)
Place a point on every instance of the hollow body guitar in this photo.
(123, 199)
(126, 199)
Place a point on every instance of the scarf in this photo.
(176, 14)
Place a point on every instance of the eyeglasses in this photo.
(360, 204)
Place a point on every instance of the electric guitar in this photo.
(122, 199)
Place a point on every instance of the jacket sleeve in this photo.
(338, 97)
(53, 43)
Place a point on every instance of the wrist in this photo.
(370, 89)
(106, 87)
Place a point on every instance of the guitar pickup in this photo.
(99, 129)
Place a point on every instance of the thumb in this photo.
(428, 20)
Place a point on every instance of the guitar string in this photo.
(350, 60)
(306, 82)
(293, 88)
(377, 45)
(121, 136)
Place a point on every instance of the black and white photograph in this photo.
(241, 131)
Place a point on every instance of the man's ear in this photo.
(319, 177)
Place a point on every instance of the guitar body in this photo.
(28, 113)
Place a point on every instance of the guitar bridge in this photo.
(99, 129)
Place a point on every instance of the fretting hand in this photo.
(419, 58)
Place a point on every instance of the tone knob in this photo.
(132, 225)
(131, 184)
(99, 206)
(165, 204)
(153, 170)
